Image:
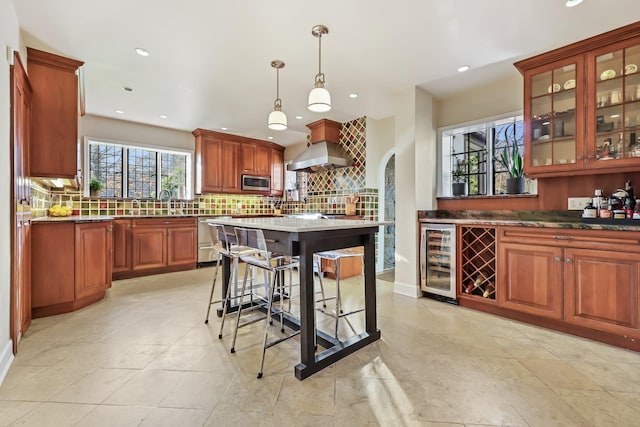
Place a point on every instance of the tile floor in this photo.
(143, 356)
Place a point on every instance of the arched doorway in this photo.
(386, 212)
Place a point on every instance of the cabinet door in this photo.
(530, 279)
(208, 164)
(182, 244)
(614, 106)
(230, 178)
(121, 245)
(52, 263)
(601, 290)
(149, 248)
(262, 160)
(54, 120)
(248, 158)
(93, 258)
(277, 172)
(554, 117)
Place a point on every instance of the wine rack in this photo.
(478, 262)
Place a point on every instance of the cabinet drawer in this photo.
(628, 241)
(164, 222)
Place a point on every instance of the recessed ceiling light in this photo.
(119, 111)
(463, 68)
(223, 128)
(269, 137)
(127, 89)
(142, 52)
(162, 116)
(353, 95)
(571, 3)
(299, 117)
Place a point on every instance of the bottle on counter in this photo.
(597, 201)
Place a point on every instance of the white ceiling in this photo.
(209, 63)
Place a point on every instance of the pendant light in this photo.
(319, 97)
(277, 119)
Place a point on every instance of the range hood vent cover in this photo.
(325, 152)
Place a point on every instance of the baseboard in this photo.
(6, 358)
(406, 289)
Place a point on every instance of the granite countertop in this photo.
(73, 218)
(297, 225)
(542, 219)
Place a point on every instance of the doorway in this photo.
(387, 212)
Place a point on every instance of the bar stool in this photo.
(223, 244)
(336, 256)
(275, 266)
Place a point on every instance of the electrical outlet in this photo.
(578, 203)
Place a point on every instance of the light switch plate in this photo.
(578, 203)
(9, 52)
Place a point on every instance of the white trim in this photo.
(381, 205)
(406, 289)
(6, 358)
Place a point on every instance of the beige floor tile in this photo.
(559, 374)
(95, 387)
(437, 365)
(169, 417)
(10, 411)
(600, 408)
(110, 416)
(55, 414)
(146, 388)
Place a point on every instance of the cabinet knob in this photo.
(568, 260)
(557, 259)
(579, 156)
(591, 156)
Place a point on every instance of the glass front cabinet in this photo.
(582, 106)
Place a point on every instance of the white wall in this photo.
(415, 145)
(493, 99)
(380, 139)
(124, 131)
(9, 37)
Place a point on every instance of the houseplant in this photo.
(95, 187)
(459, 185)
(511, 159)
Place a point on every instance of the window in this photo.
(470, 152)
(129, 171)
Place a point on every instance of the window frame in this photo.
(445, 159)
(158, 149)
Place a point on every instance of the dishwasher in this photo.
(207, 255)
(437, 261)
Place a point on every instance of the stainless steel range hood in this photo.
(325, 152)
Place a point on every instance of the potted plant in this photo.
(511, 159)
(459, 185)
(95, 187)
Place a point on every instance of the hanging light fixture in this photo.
(319, 97)
(277, 119)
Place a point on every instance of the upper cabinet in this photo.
(54, 114)
(582, 106)
(222, 159)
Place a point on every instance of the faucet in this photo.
(135, 201)
(167, 194)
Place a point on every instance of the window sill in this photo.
(483, 196)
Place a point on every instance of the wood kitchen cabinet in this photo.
(160, 245)
(71, 265)
(349, 266)
(582, 106)
(256, 159)
(221, 160)
(277, 172)
(121, 246)
(54, 118)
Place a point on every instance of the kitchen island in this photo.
(304, 237)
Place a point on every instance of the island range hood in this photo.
(325, 152)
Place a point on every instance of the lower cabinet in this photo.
(71, 265)
(155, 245)
(349, 266)
(530, 279)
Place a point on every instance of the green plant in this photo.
(510, 157)
(95, 185)
(459, 175)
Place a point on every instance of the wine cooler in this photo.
(437, 259)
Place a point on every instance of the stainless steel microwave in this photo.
(256, 183)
